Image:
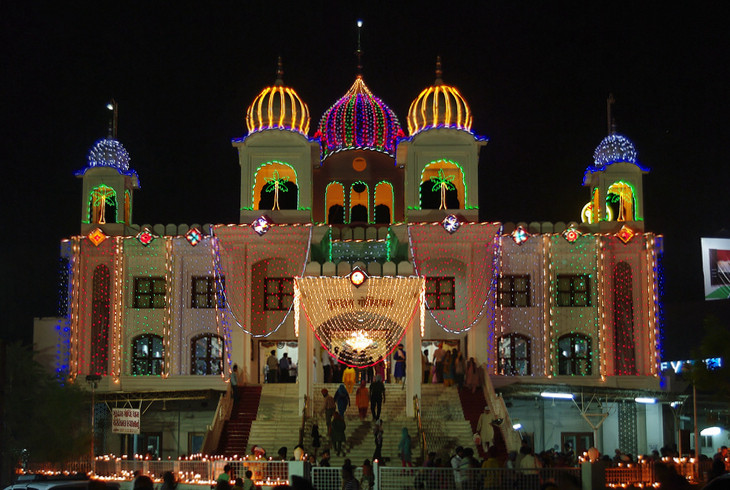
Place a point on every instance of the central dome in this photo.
(359, 120)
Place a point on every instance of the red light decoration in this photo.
(625, 234)
(571, 234)
(97, 237)
(145, 237)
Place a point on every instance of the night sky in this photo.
(536, 75)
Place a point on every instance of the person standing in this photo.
(472, 375)
(377, 397)
(248, 483)
(273, 364)
(326, 366)
(459, 368)
(362, 400)
(234, 383)
(342, 399)
(400, 363)
(378, 434)
(329, 409)
(425, 366)
(438, 361)
(404, 448)
(284, 368)
(338, 433)
(348, 378)
(485, 429)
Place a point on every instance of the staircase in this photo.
(473, 405)
(360, 442)
(278, 419)
(236, 430)
(443, 420)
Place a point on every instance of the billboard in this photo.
(125, 420)
(716, 267)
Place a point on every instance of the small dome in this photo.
(358, 120)
(109, 153)
(439, 106)
(278, 107)
(613, 149)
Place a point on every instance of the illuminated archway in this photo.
(384, 202)
(442, 186)
(275, 187)
(359, 202)
(334, 198)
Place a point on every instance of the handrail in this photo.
(304, 420)
(421, 432)
(499, 409)
(215, 429)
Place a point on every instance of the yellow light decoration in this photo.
(167, 320)
(360, 326)
(600, 291)
(439, 106)
(549, 300)
(74, 341)
(652, 295)
(278, 107)
(117, 339)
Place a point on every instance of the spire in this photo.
(610, 122)
(279, 73)
(358, 53)
(439, 72)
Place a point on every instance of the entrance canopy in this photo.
(359, 325)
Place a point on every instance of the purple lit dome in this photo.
(359, 120)
(613, 149)
(109, 153)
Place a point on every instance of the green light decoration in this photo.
(276, 184)
(100, 197)
(443, 183)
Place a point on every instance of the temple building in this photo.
(355, 236)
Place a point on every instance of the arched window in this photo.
(383, 202)
(623, 320)
(359, 203)
(574, 355)
(514, 355)
(148, 354)
(100, 320)
(206, 354)
(102, 205)
(620, 202)
(275, 187)
(335, 203)
(442, 186)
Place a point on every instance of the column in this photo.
(414, 372)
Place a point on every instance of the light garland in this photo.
(118, 315)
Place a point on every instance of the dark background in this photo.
(536, 75)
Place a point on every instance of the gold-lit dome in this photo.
(439, 106)
(278, 107)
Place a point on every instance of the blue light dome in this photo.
(109, 152)
(613, 149)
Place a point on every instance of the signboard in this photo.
(716, 267)
(125, 420)
(680, 366)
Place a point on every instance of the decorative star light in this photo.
(442, 182)
(520, 235)
(261, 225)
(145, 237)
(276, 184)
(97, 237)
(451, 223)
(625, 234)
(358, 277)
(193, 236)
(571, 234)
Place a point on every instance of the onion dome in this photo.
(439, 106)
(358, 120)
(278, 107)
(613, 149)
(109, 153)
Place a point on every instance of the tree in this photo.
(45, 419)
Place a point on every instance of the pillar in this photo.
(414, 372)
(305, 374)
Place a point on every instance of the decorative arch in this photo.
(443, 186)
(384, 199)
(334, 198)
(575, 355)
(100, 313)
(102, 205)
(514, 355)
(275, 187)
(206, 354)
(624, 343)
(148, 355)
(622, 196)
(359, 202)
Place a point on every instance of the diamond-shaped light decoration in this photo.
(520, 235)
(193, 236)
(97, 236)
(451, 223)
(145, 237)
(625, 234)
(261, 225)
(358, 277)
(571, 234)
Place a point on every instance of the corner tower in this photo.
(441, 155)
(276, 157)
(108, 186)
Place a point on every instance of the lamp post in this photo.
(93, 380)
(114, 107)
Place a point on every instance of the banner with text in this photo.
(125, 420)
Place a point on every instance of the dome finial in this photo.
(358, 53)
(279, 73)
(610, 123)
(439, 72)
